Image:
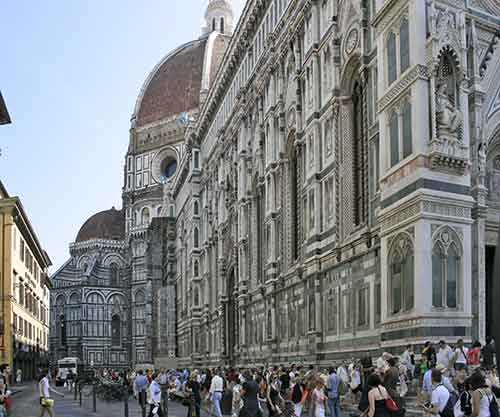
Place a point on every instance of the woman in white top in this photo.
(319, 398)
(45, 389)
(481, 396)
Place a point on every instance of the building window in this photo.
(311, 211)
(196, 268)
(328, 135)
(328, 202)
(213, 24)
(145, 216)
(401, 275)
(114, 271)
(407, 136)
(394, 135)
(392, 71)
(221, 25)
(404, 45)
(446, 261)
(196, 159)
(363, 307)
(196, 242)
(196, 208)
(115, 330)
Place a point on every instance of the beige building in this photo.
(24, 287)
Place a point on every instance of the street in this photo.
(26, 400)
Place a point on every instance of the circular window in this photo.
(168, 168)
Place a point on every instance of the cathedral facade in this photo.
(324, 181)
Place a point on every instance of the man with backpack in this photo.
(441, 403)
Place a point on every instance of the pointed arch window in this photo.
(404, 45)
(115, 330)
(196, 239)
(407, 136)
(196, 268)
(196, 208)
(145, 216)
(114, 272)
(222, 25)
(446, 266)
(401, 275)
(213, 25)
(392, 70)
(394, 135)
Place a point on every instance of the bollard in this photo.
(76, 391)
(80, 395)
(94, 398)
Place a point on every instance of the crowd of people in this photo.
(439, 380)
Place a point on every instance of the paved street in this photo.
(26, 400)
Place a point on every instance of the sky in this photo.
(70, 74)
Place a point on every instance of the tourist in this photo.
(155, 397)
(390, 380)
(333, 385)
(464, 404)
(70, 380)
(319, 398)
(429, 356)
(408, 360)
(249, 394)
(482, 396)
(44, 388)
(140, 387)
(444, 355)
(298, 396)
(440, 396)
(377, 396)
(461, 355)
(273, 397)
(19, 376)
(474, 356)
(356, 387)
(193, 387)
(488, 353)
(216, 388)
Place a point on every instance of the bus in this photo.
(63, 367)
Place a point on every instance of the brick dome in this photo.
(108, 224)
(174, 85)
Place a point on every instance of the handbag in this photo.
(389, 403)
(47, 402)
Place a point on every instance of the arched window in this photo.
(196, 268)
(196, 241)
(404, 45)
(145, 216)
(115, 330)
(394, 136)
(401, 275)
(196, 208)
(114, 272)
(213, 24)
(158, 211)
(221, 25)
(407, 136)
(94, 323)
(446, 266)
(392, 70)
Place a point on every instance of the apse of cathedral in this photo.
(319, 180)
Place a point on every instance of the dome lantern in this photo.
(219, 17)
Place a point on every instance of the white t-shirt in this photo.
(461, 356)
(440, 396)
(444, 356)
(43, 386)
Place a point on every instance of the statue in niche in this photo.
(448, 115)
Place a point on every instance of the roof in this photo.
(173, 86)
(4, 114)
(108, 225)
